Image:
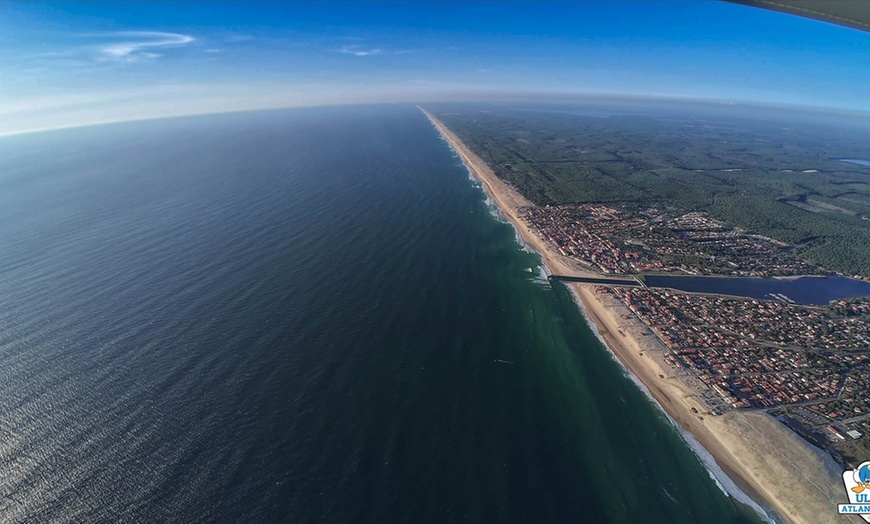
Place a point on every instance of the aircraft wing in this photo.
(849, 13)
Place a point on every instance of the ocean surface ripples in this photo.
(296, 316)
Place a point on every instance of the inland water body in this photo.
(813, 291)
(302, 316)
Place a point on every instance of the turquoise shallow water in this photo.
(301, 316)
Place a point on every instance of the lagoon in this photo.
(810, 290)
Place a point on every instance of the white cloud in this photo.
(138, 41)
(359, 51)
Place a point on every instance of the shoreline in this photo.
(510, 202)
(791, 485)
(735, 486)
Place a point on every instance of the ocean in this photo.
(302, 316)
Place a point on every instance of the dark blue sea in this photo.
(304, 316)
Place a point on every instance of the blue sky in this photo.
(67, 63)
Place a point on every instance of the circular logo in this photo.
(862, 473)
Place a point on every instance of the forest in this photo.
(785, 179)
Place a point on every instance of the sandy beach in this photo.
(763, 458)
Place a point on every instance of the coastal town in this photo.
(809, 362)
(807, 365)
(614, 240)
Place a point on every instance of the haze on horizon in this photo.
(70, 64)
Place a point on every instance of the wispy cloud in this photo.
(139, 44)
(359, 51)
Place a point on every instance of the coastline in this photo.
(510, 202)
(785, 474)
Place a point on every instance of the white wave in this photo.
(474, 181)
(722, 480)
(542, 278)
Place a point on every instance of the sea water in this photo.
(302, 316)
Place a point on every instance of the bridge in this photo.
(633, 282)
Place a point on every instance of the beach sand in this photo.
(763, 458)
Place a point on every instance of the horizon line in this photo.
(549, 97)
